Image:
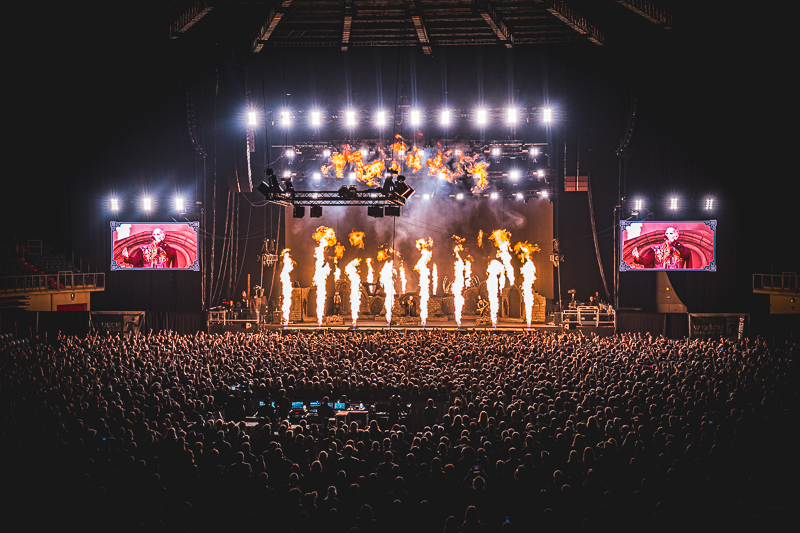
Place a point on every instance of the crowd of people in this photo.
(507, 432)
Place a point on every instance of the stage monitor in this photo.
(684, 245)
(154, 246)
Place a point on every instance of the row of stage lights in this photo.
(148, 204)
(415, 117)
(673, 203)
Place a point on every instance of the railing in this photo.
(47, 282)
(589, 316)
(784, 282)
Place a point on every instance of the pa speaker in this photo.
(299, 211)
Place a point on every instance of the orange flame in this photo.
(434, 279)
(424, 248)
(458, 280)
(370, 271)
(502, 239)
(479, 173)
(357, 239)
(388, 286)
(325, 237)
(286, 286)
(355, 288)
(414, 160)
(525, 251)
(494, 272)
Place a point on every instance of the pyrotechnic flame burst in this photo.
(286, 286)
(468, 273)
(494, 272)
(458, 281)
(502, 239)
(370, 271)
(434, 279)
(525, 251)
(357, 239)
(424, 248)
(325, 237)
(355, 288)
(388, 287)
(403, 280)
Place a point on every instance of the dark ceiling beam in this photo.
(563, 12)
(189, 17)
(275, 16)
(650, 11)
(419, 26)
(348, 22)
(495, 21)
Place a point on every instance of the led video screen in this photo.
(685, 245)
(154, 246)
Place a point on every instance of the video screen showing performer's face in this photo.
(668, 245)
(154, 246)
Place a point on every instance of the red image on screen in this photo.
(154, 246)
(668, 245)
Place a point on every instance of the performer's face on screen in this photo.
(671, 234)
(158, 235)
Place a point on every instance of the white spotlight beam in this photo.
(495, 21)
(566, 14)
(270, 24)
(189, 17)
(419, 26)
(650, 11)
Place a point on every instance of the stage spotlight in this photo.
(252, 118)
(350, 118)
(493, 195)
(364, 153)
(514, 175)
(316, 118)
(533, 151)
(317, 176)
(415, 117)
(287, 173)
(114, 204)
(426, 196)
(286, 119)
(543, 194)
(179, 204)
(445, 118)
(511, 115)
(496, 151)
(326, 153)
(442, 176)
(540, 173)
(638, 204)
(352, 176)
(147, 203)
(547, 115)
(520, 196)
(316, 211)
(290, 153)
(673, 203)
(380, 118)
(709, 204)
(460, 196)
(480, 117)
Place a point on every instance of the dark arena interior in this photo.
(399, 265)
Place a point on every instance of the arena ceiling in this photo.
(253, 25)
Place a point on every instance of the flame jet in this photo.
(388, 287)
(434, 279)
(370, 271)
(325, 237)
(458, 281)
(494, 272)
(286, 286)
(355, 288)
(424, 248)
(524, 251)
(403, 280)
(502, 239)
